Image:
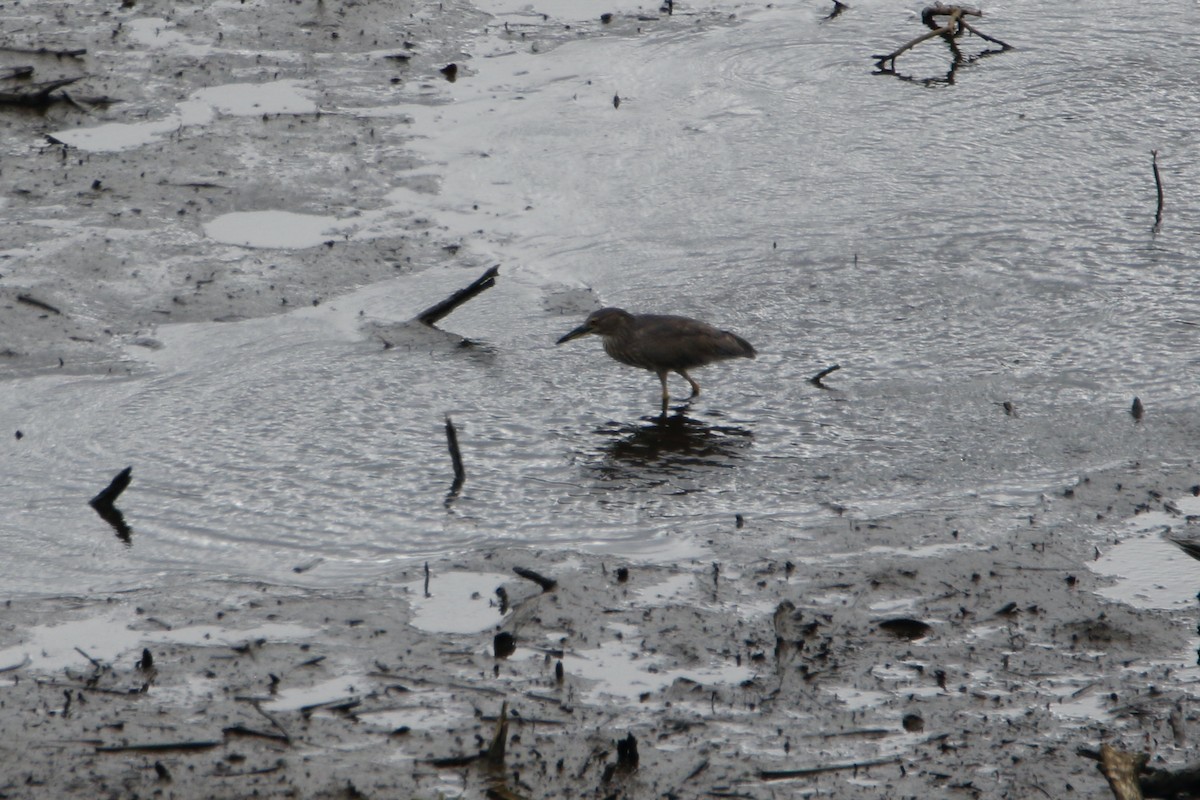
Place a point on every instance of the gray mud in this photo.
(292, 693)
(113, 240)
(1021, 664)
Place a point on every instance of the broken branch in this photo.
(431, 315)
(110, 494)
(29, 300)
(815, 380)
(547, 584)
(33, 94)
(460, 474)
(951, 29)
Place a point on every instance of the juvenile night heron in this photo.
(662, 343)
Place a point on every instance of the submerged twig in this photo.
(103, 504)
(838, 8)
(815, 380)
(110, 494)
(460, 474)
(1158, 185)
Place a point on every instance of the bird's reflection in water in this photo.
(657, 447)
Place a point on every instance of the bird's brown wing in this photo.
(670, 342)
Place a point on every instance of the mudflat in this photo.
(912, 654)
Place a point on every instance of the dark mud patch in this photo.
(755, 664)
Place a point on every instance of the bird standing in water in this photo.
(662, 343)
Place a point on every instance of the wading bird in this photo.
(662, 343)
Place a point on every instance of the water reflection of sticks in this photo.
(669, 443)
(460, 473)
(954, 26)
(103, 504)
(1157, 185)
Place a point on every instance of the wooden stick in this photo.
(157, 747)
(242, 730)
(950, 30)
(431, 315)
(838, 8)
(494, 755)
(784, 774)
(815, 380)
(547, 584)
(110, 494)
(983, 35)
(257, 705)
(460, 474)
(33, 301)
(95, 663)
(1158, 185)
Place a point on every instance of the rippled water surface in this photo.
(952, 247)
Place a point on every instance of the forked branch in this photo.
(948, 22)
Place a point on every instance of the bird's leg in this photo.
(688, 378)
(662, 377)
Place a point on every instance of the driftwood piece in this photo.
(954, 26)
(431, 315)
(33, 94)
(547, 584)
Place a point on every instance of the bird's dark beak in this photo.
(582, 330)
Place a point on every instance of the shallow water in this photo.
(951, 247)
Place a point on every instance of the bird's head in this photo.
(605, 322)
